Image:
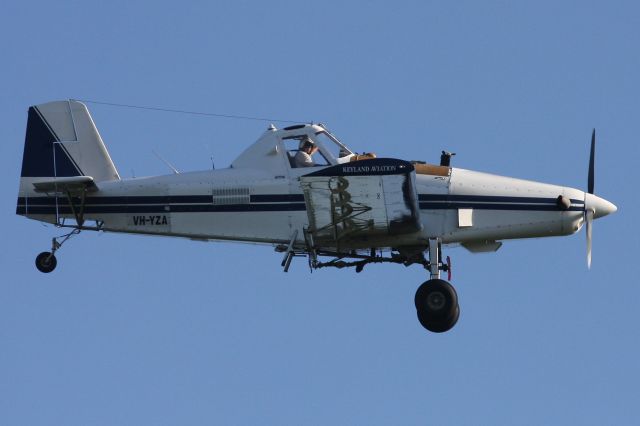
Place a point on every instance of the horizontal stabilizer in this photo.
(64, 184)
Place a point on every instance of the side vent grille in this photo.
(225, 196)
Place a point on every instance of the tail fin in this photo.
(63, 141)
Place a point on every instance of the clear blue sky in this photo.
(134, 330)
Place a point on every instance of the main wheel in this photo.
(437, 305)
(437, 298)
(46, 262)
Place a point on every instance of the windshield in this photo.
(333, 145)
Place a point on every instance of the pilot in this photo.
(306, 149)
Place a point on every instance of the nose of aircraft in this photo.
(600, 206)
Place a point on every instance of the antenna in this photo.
(173, 169)
(208, 148)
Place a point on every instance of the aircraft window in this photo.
(332, 145)
(292, 146)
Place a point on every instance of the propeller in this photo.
(589, 220)
(589, 210)
(591, 162)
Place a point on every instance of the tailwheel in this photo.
(46, 262)
(437, 305)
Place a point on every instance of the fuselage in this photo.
(255, 206)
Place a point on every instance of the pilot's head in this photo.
(307, 145)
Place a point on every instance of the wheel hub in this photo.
(436, 301)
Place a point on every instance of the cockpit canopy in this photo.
(276, 149)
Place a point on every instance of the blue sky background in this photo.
(134, 330)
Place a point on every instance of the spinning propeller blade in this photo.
(589, 221)
(591, 163)
(588, 212)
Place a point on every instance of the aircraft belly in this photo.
(241, 226)
(245, 226)
(505, 224)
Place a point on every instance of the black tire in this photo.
(46, 262)
(436, 299)
(436, 325)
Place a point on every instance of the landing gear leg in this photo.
(434, 258)
(46, 261)
(436, 300)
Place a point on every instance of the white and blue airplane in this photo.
(337, 208)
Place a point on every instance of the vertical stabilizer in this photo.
(63, 141)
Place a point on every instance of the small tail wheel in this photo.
(46, 262)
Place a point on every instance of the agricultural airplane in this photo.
(302, 191)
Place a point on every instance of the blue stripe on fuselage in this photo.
(168, 199)
(493, 202)
(161, 208)
(491, 199)
(270, 202)
(495, 206)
